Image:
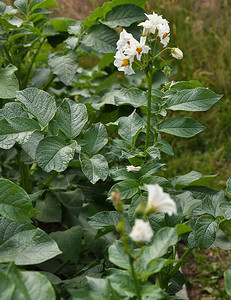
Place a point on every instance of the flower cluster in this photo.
(156, 25)
(158, 201)
(129, 48)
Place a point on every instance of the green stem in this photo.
(7, 54)
(50, 179)
(31, 65)
(134, 278)
(168, 48)
(180, 262)
(25, 180)
(149, 98)
(49, 82)
(61, 267)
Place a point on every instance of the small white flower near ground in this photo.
(141, 231)
(133, 169)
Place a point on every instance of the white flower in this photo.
(160, 201)
(154, 23)
(141, 231)
(133, 169)
(124, 62)
(124, 40)
(177, 53)
(163, 33)
(137, 48)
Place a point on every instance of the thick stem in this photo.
(180, 262)
(131, 261)
(31, 65)
(149, 98)
(25, 180)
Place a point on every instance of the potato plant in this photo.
(84, 211)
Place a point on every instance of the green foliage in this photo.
(80, 137)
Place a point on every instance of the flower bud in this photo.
(116, 199)
(167, 71)
(177, 53)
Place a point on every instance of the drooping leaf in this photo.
(95, 138)
(49, 208)
(54, 154)
(64, 65)
(118, 256)
(181, 126)
(71, 118)
(6, 286)
(128, 127)
(225, 208)
(228, 186)
(124, 15)
(28, 248)
(15, 204)
(39, 103)
(69, 242)
(95, 167)
(22, 5)
(16, 130)
(101, 38)
(8, 81)
(197, 99)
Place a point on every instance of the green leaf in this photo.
(64, 65)
(104, 219)
(122, 281)
(42, 4)
(95, 167)
(31, 145)
(191, 178)
(6, 287)
(69, 242)
(205, 231)
(197, 99)
(15, 204)
(12, 110)
(155, 266)
(71, 200)
(16, 130)
(187, 202)
(101, 11)
(150, 168)
(155, 180)
(228, 186)
(71, 118)
(128, 188)
(50, 209)
(181, 126)
(227, 277)
(25, 282)
(225, 208)
(53, 153)
(28, 248)
(39, 103)
(22, 5)
(211, 204)
(164, 146)
(163, 239)
(101, 39)
(95, 138)
(124, 15)
(3, 37)
(132, 96)
(9, 228)
(118, 256)
(8, 81)
(128, 127)
(221, 241)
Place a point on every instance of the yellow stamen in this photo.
(128, 43)
(164, 35)
(125, 63)
(139, 50)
